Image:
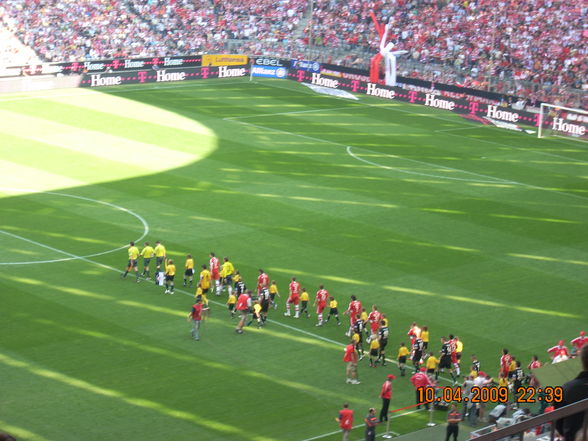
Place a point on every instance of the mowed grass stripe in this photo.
(454, 282)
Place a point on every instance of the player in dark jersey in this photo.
(475, 369)
(264, 299)
(517, 382)
(445, 359)
(357, 336)
(240, 287)
(417, 353)
(383, 333)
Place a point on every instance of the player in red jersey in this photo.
(215, 272)
(414, 332)
(559, 352)
(421, 380)
(262, 281)
(578, 342)
(375, 318)
(353, 311)
(243, 308)
(322, 295)
(293, 298)
(505, 362)
(535, 363)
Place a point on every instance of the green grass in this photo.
(467, 229)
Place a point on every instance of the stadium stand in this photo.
(535, 49)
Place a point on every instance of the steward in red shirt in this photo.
(386, 395)
(345, 420)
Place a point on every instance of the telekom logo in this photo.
(473, 107)
(75, 66)
(204, 72)
(536, 119)
(412, 96)
(300, 75)
(142, 76)
(354, 85)
(155, 61)
(115, 64)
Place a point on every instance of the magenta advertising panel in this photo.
(162, 75)
(566, 124)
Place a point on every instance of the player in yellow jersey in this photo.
(189, 270)
(304, 303)
(402, 354)
(231, 304)
(200, 294)
(133, 261)
(227, 272)
(256, 314)
(425, 337)
(170, 273)
(205, 277)
(374, 350)
(147, 254)
(364, 318)
(385, 320)
(431, 363)
(333, 310)
(273, 292)
(160, 255)
(237, 278)
(458, 352)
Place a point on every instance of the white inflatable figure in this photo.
(389, 58)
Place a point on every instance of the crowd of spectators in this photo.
(532, 41)
(472, 42)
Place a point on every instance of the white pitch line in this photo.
(123, 90)
(284, 325)
(232, 118)
(524, 150)
(324, 435)
(495, 181)
(453, 178)
(428, 115)
(312, 138)
(117, 207)
(302, 331)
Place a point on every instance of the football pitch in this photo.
(468, 229)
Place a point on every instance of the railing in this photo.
(517, 431)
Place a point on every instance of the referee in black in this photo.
(453, 419)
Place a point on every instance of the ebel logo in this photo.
(264, 61)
